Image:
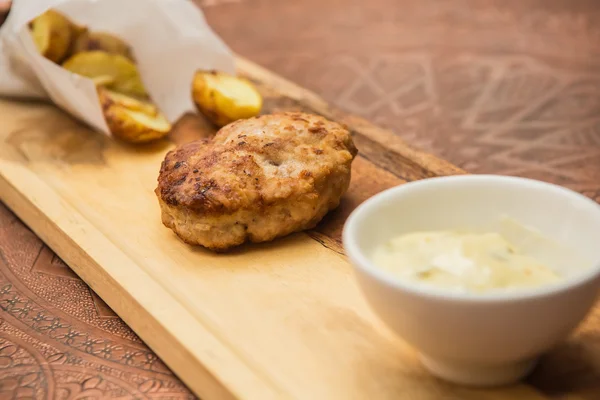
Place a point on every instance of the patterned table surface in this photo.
(509, 87)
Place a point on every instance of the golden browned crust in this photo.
(257, 179)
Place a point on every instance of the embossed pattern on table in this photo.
(58, 339)
(510, 87)
(503, 87)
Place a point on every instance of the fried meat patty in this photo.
(256, 180)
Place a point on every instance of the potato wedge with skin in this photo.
(110, 97)
(52, 33)
(103, 80)
(92, 41)
(224, 98)
(132, 120)
(94, 64)
(78, 30)
(134, 126)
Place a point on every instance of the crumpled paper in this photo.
(170, 41)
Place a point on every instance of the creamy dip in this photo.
(465, 262)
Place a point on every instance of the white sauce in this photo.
(464, 262)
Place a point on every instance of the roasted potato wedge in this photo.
(52, 33)
(135, 126)
(131, 103)
(103, 80)
(92, 41)
(132, 120)
(224, 98)
(94, 64)
(77, 30)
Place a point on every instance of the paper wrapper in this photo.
(170, 41)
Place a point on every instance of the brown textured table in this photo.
(506, 87)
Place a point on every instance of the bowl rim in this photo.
(363, 264)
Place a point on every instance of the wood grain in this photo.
(279, 320)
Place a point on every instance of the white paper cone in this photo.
(170, 41)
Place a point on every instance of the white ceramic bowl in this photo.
(488, 339)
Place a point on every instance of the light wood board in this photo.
(273, 321)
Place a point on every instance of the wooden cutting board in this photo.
(271, 321)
